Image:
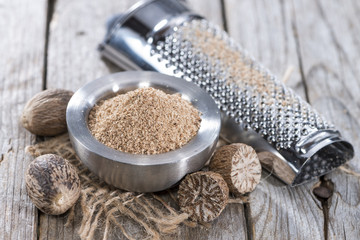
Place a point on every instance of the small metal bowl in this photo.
(136, 172)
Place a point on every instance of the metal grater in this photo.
(292, 140)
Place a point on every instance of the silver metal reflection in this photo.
(292, 140)
(137, 172)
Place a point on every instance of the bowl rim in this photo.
(87, 96)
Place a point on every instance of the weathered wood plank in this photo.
(76, 30)
(21, 66)
(209, 10)
(265, 29)
(330, 47)
(231, 224)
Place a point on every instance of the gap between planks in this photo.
(49, 15)
(250, 227)
(322, 180)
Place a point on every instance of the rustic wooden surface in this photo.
(21, 69)
(266, 29)
(52, 44)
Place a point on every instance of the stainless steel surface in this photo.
(292, 140)
(134, 172)
(135, 30)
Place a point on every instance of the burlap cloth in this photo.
(102, 206)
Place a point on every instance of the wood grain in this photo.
(21, 68)
(331, 55)
(211, 11)
(266, 30)
(76, 29)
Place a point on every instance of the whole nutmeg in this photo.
(45, 113)
(52, 184)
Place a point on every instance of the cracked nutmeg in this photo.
(239, 165)
(203, 195)
(52, 184)
(45, 113)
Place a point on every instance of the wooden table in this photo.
(52, 44)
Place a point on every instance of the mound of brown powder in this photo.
(144, 121)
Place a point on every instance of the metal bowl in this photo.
(136, 172)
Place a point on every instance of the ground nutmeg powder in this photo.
(144, 121)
